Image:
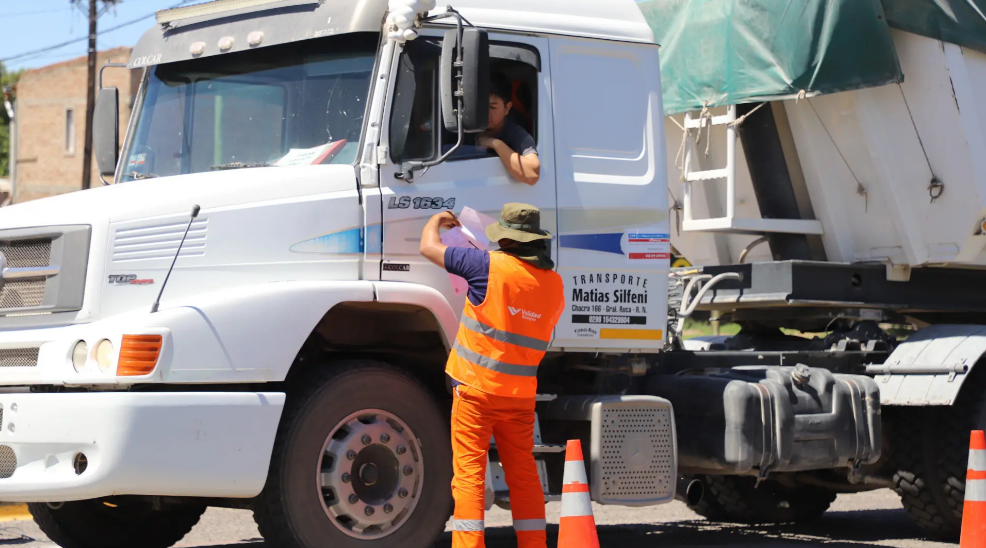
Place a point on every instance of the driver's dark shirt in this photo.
(517, 138)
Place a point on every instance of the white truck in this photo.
(242, 319)
(294, 363)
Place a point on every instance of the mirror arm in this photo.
(106, 66)
(100, 86)
(408, 168)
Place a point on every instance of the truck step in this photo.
(539, 449)
(503, 497)
(546, 397)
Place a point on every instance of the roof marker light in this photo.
(198, 48)
(255, 38)
(225, 43)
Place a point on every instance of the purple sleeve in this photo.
(473, 265)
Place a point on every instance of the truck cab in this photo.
(242, 317)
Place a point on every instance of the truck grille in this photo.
(8, 462)
(44, 269)
(18, 357)
(23, 293)
(31, 253)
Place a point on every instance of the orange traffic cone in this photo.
(577, 527)
(974, 510)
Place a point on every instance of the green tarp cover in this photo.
(961, 22)
(725, 52)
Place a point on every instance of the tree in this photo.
(6, 79)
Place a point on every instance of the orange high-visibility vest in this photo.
(501, 342)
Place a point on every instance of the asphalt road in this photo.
(874, 519)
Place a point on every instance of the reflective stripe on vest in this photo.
(477, 326)
(501, 342)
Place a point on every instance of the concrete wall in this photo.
(44, 166)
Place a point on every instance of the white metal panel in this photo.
(612, 20)
(869, 157)
(180, 444)
(611, 174)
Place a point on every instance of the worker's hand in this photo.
(446, 219)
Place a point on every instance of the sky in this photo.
(28, 25)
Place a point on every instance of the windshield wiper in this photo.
(239, 165)
(137, 176)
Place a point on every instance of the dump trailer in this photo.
(242, 318)
(827, 172)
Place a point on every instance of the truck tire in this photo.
(127, 523)
(362, 460)
(738, 499)
(930, 456)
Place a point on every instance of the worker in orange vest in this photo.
(515, 299)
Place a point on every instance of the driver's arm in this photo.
(523, 168)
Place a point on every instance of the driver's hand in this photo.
(486, 141)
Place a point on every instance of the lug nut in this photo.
(368, 511)
(366, 439)
(346, 477)
(408, 470)
(388, 508)
(402, 493)
(384, 438)
(351, 455)
(401, 450)
(353, 499)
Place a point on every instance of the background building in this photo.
(50, 115)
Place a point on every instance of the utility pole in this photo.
(90, 98)
(93, 14)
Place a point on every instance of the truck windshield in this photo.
(296, 104)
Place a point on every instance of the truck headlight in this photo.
(79, 355)
(104, 355)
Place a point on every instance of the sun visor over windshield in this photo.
(267, 25)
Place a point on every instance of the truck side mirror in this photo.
(106, 130)
(473, 83)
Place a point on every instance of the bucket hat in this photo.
(518, 222)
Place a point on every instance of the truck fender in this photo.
(254, 333)
(425, 297)
(930, 367)
(257, 329)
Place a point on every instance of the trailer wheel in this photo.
(118, 522)
(930, 454)
(738, 499)
(362, 459)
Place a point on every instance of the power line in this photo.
(86, 38)
(27, 13)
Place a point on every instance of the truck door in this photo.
(612, 193)
(473, 177)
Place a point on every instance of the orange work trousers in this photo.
(475, 417)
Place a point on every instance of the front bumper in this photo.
(207, 444)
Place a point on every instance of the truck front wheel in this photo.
(740, 499)
(117, 522)
(362, 459)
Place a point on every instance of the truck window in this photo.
(297, 104)
(414, 114)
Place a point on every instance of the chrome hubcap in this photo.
(370, 474)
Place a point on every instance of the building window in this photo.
(69, 131)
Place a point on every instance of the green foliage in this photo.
(6, 79)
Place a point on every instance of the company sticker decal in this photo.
(610, 305)
(644, 245)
